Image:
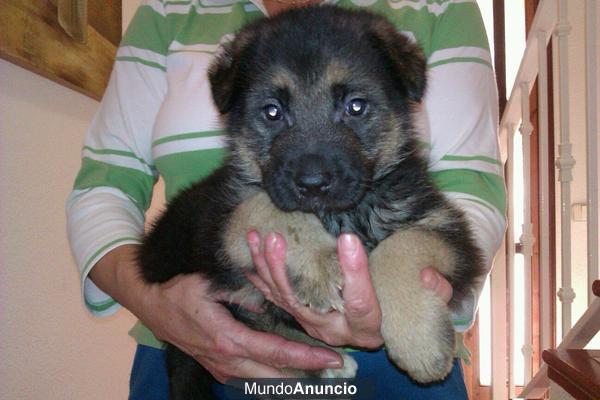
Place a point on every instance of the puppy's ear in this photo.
(406, 59)
(225, 70)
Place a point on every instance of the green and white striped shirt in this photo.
(157, 118)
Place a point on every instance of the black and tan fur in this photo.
(341, 156)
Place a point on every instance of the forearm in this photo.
(117, 274)
(100, 220)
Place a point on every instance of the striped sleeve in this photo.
(462, 113)
(114, 185)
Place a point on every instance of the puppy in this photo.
(318, 105)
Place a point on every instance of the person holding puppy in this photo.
(156, 117)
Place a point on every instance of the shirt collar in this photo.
(259, 4)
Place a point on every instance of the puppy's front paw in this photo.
(425, 350)
(320, 286)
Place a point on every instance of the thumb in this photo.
(432, 279)
(359, 295)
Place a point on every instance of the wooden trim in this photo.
(500, 52)
(486, 392)
(552, 196)
(471, 370)
(530, 9)
(31, 37)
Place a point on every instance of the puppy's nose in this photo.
(313, 184)
(312, 179)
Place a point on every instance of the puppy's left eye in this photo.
(272, 112)
(356, 107)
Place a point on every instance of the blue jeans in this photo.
(380, 378)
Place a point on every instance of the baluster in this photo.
(527, 239)
(565, 165)
(510, 251)
(544, 225)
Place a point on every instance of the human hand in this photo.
(360, 324)
(182, 312)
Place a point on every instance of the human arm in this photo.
(462, 115)
(113, 187)
(182, 312)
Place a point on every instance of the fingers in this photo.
(283, 294)
(361, 323)
(271, 277)
(258, 258)
(239, 351)
(434, 280)
(240, 368)
(271, 274)
(206, 330)
(362, 309)
(246, 353)
(273, 350)
(275, 248)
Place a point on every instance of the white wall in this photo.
(50, 347)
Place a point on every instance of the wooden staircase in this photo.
(575, 370)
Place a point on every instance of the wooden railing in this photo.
(551, 20)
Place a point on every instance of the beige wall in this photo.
(50, 347)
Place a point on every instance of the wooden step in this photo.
(575, 370)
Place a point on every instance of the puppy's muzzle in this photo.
(322, 177)
(312, 177)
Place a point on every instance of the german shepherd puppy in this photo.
(318, 105)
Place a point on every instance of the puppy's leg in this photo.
(311, 262)
(416, 324)
(311, 259)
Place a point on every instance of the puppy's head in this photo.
(318, 103)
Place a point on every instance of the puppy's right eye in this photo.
(272, 112)
(356, 107)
